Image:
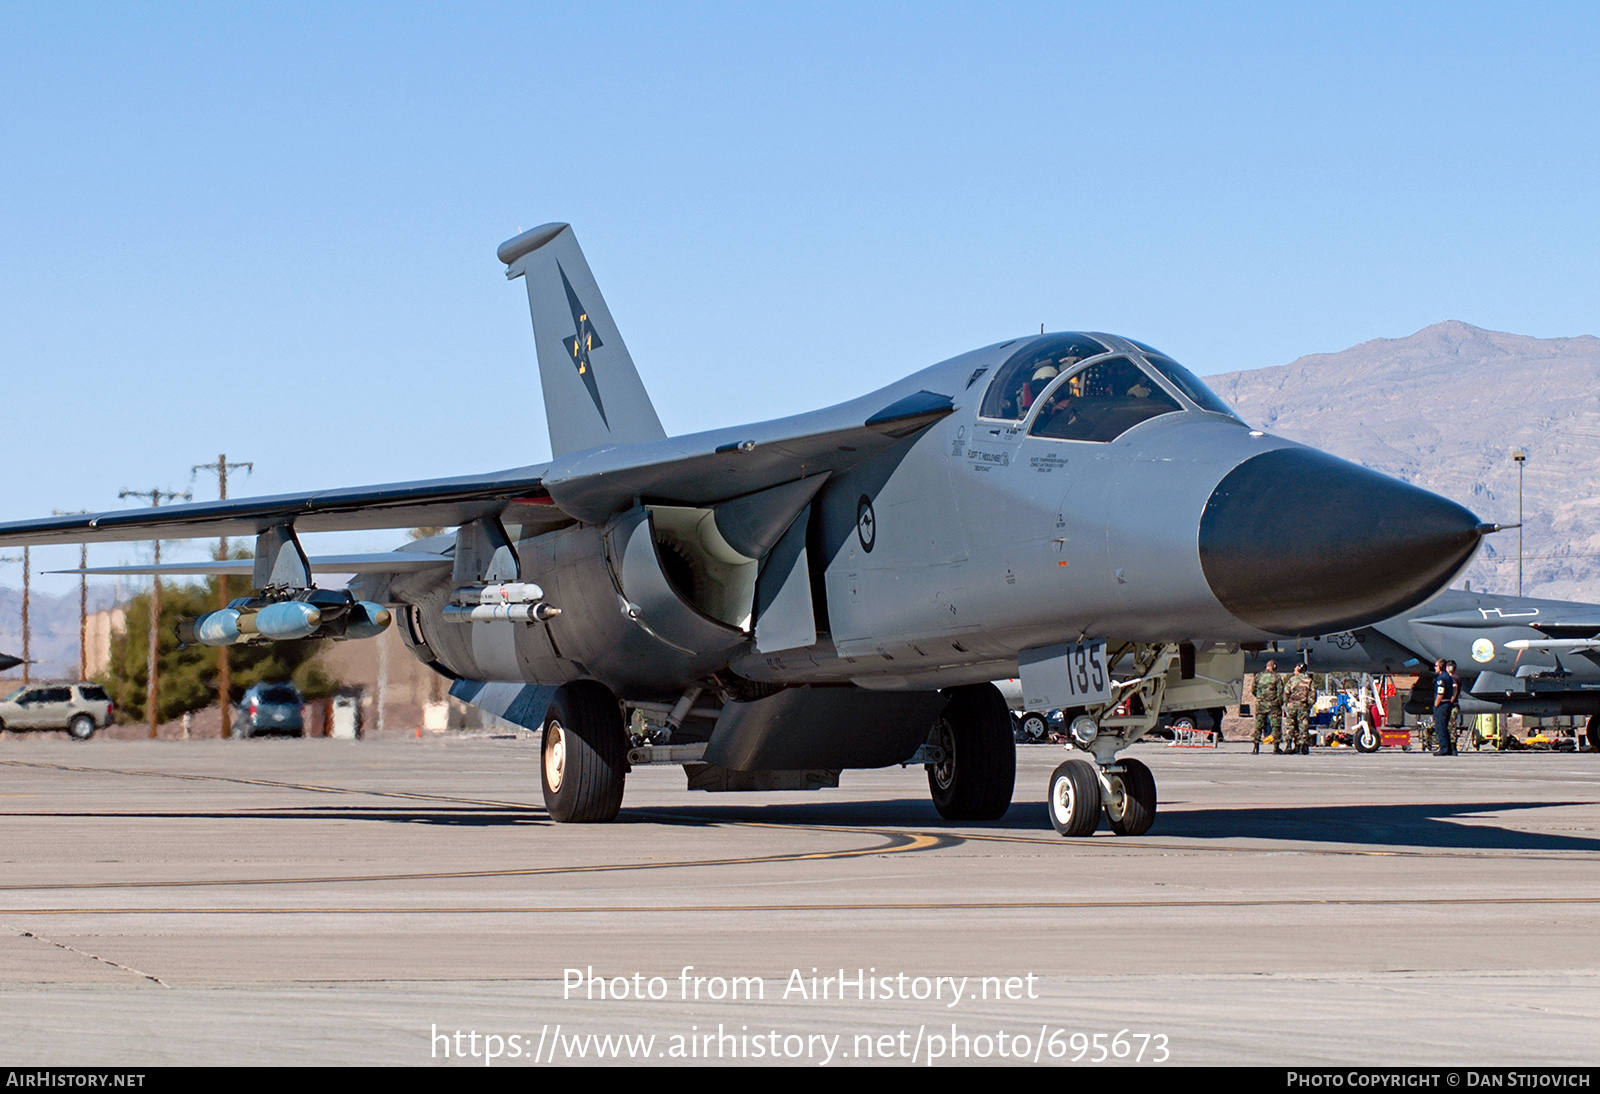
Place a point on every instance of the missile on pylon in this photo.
(490, 613)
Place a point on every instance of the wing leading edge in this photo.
(382, 562)
(392, 505)
(590, 486)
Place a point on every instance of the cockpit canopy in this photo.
(1082, 387)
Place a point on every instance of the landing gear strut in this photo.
(1124, 789)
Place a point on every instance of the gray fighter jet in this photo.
(769, 604)
(1515, 655)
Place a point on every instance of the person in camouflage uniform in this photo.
(1268, 692)
(1299, 693)
(1429, 743)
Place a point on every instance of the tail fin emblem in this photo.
(583, 340)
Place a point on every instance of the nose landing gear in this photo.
(1079, 792)
(1080, 789)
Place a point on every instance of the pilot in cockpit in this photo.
(1116, 387)
(1034, 386)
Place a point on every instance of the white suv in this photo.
(80, 709)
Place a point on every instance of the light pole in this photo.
(1521, 457)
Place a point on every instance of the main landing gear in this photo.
(584, 758)
(976, 765)
(1124, 790)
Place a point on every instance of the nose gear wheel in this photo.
(1131, 806)
(1075, 798)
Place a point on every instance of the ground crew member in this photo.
(1445, 690)
(1299, 693)
(1426, 725)
(1268, 692)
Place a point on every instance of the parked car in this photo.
(271, 708)
(80, 709)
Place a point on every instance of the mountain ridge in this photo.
(1444, 408)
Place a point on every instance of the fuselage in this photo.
(1080, 486)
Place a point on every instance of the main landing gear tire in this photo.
(584, 755)
(1131, 805)
(1074, 799)
(1368, 738)
(1035, 727)
(975, 779)
(1594, 733)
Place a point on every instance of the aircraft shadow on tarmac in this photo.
(1443, 826)
(1447, 826)
(1435, 825)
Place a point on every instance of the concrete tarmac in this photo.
(313, 902)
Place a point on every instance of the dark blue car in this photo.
(271, 708)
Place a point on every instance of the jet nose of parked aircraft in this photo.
(1296, 541)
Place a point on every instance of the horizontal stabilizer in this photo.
(520, 704)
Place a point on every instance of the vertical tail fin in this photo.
(592, 393)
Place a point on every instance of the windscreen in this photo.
(1185, 381)
(1025, 375)
(1101, 402)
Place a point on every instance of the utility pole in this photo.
(83, 599)
(224, 667)
(1521, 457)
(25, 560)
(27, 632)
(155, 497)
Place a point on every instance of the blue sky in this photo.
(270, 231)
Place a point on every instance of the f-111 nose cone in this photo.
(1298, 542)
